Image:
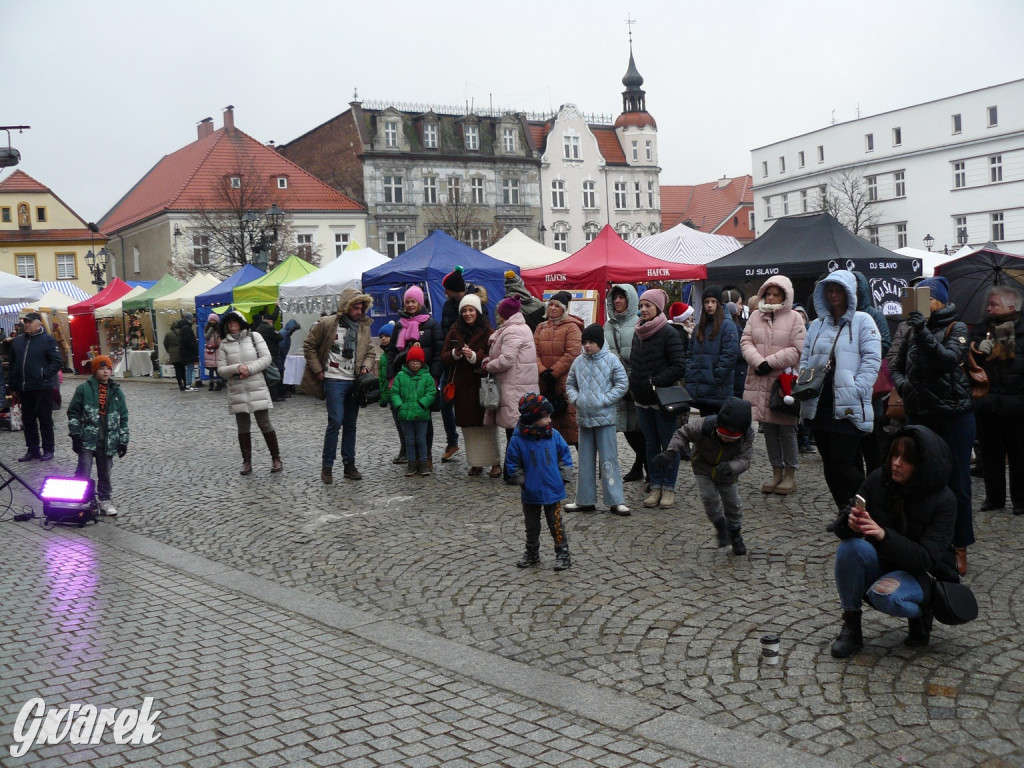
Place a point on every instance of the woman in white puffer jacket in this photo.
(241, 359)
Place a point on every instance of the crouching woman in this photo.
(902, 532)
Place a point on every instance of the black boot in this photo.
(738, 547)
(562, 559)
(530, 557)
(275, 451)
(850, 639)
(920, 629)
(723, 535)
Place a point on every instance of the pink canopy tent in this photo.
(83, 322)
(605, 260)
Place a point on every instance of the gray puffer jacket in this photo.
(250, 394)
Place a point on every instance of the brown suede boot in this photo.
(772, 484)
(788, 484)
(245, 443)
(275, 452)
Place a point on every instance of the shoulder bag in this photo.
(490, 393)
(812, 378)
(894, 409)
(976, 375)
(673, 399)
(953, 603)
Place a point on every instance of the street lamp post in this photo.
(262, 229)
(97, 263)
(929, 241)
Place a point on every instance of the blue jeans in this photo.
(86, 459)
(415, 440)
(190, 372)
(657, 427)
(958, 433)
(342, 413)
(594, 442)
(859, 577)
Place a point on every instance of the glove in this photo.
(547, 376)
(76, 443)
(685, 454)
(519, 478)
(915, 320)
(122, 449)
(985, 346)
(664, 460)
(763, 369)
(724, 473)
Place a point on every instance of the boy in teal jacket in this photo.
(412, 393)
(98, 424)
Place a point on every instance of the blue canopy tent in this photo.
(426, 264)
(218, 296)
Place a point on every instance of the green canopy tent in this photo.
(164, 285)
(262, 292)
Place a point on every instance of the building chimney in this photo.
(229, 118)
(205, 127)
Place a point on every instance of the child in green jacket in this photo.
(412, 393)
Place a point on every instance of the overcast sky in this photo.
(109, 87)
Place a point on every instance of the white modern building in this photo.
(952, 168)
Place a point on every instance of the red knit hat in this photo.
(415, 353)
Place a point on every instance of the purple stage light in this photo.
(71, 489)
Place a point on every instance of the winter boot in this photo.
(210, 388)
(919, 629)
(850, 639)
(562, 559)
(788, 484)
(275, 452)
(654, 499)
(668, 498)
(772, 484)
(327, 475)
(412, 469)
(530, 557)
(723, 535)
(400, 458)
(426, 468)
(636, 473)
(220, 384)
(351, 473)
(738, 547)
(245, 443)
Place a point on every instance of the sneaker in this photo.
(574, 507)
(449, 453)
(562, 561)
(621, 510)
(107, 508)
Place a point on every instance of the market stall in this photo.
(85, 342)
(141, 325)
(111, 326)
(526, 253)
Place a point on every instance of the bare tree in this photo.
(459, 218)
(847, 197)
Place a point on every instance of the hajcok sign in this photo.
(82, 724)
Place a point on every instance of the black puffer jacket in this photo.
(660, 360)
(918, 518)
(1005, 377)
(929, 374)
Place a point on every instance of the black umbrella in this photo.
(972, 275)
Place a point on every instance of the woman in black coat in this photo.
(902, 532)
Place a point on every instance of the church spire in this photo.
(633, 98)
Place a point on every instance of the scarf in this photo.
(533, 432)
(768, 308)
(411, 329)
(351, 333)
(651, 327)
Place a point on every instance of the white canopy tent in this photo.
(318, 291)
(114, 308)
(14, 289)
(929, 259)
(170, 308)
(685, 245)
(523, 251)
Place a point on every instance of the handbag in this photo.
(883, 384)
(673, 399)
(271, 375)
(894, 409)
(448, 392)
(953, 603)
(812, 378)
(976, 375)
(777, 403)
(490, 393)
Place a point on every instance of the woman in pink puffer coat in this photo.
(512, 358)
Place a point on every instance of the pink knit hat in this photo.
(414, 292)
(508, 307)
(657, 297)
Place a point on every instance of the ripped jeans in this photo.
(859, 577)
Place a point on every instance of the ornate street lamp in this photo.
(97, 263)
(929, 241)
(262, 231)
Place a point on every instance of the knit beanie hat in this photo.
(471, 300)
(938, 288)
(388, 329)
(454, 281)
(595, 333)
(415, 353)
(713, 292)
(732, 308)
(99, 361)
(533, 407)
(213, 318)
(657, 297)
(563, 298)
(508, 307)
(414, 292)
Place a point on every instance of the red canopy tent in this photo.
(83, 322)
(607, 259)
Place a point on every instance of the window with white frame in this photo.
(624, 231)
(454, 190)
(66, 266)
(869, 142)
(650, 194)
(590, 231)
(27, 267)
(803, 201)
(304, 246)
(960, 222)
(558, 193)
(201, 250)
(768, 207)
(510, 192)
(590, 194)
(562, 241)
(392, 189)
(136, 259)
(873, 235)
(341, 241)
(872, 184)
(621, 193)
(785, 204)
(472, 135)
(995, 168)
(764, 168)
(236, 182)
(430, 190)
(957, 124)
(822, 196)
(993, 117)
(282, 182)
(508, 138)
(571, 147)
(636, 150)
(782, 165)
(390, 133)
(394, 243)
(476, 190)
(637, 195)
(821, 153)
(959, 175)
(900, 183)
(800, 158)
(430, 135)
(897, 136)
(476, 238)
(901, 235)
(650, 151)
(997, 227)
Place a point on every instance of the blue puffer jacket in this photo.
(541, 461)
(595, 384)
(858, 354)
(711, 364)
(34, 362)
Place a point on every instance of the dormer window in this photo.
(472, 135)
(430, 135)
(571, 147)
(508, 139)
(282, 182)
(391, 134)
(236, 182)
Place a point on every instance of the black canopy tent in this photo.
(806, 248)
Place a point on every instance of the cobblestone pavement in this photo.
(651, 609)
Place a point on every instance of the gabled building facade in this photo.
(185, 214)
(723, 207)
(41, 237)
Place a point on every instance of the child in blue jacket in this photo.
(538, 460)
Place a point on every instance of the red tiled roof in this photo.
(192, 179)
(19, 181)
(608, 144)
(539, 133)
(635, 118)
(49, 235)
(706, 205)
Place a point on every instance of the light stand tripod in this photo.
(12, 476)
